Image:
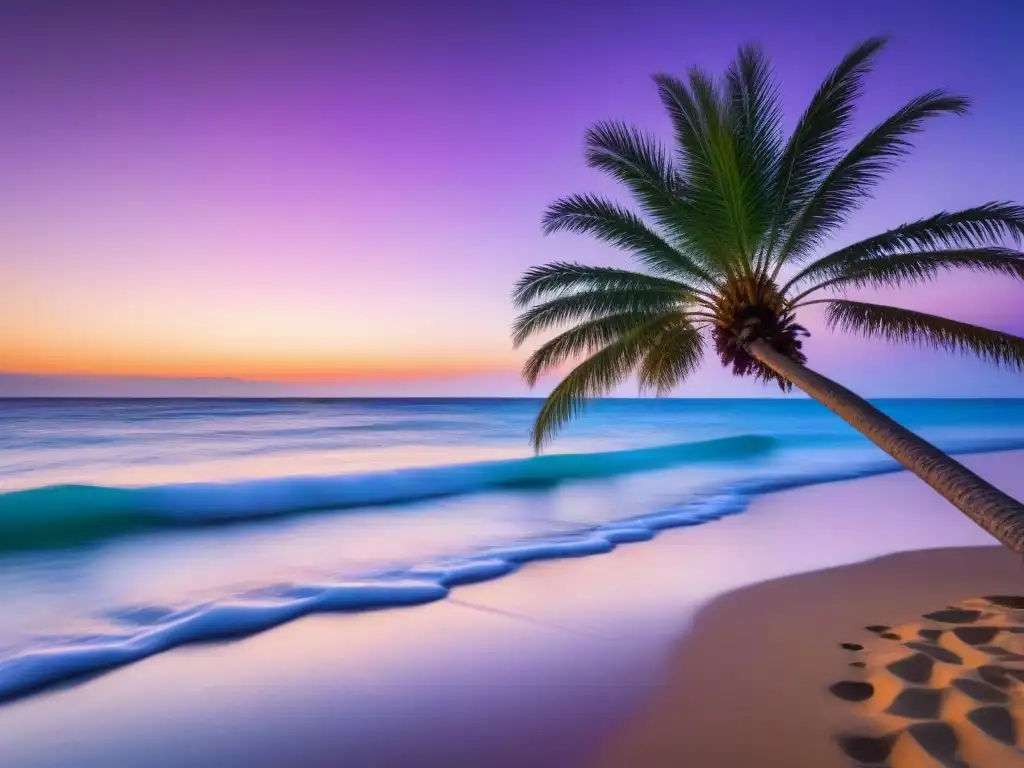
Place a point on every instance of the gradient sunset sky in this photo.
(339, 196)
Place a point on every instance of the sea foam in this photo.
(147, 632)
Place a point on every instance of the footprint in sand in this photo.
(946, 691)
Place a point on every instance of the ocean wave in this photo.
(142, 631)
(65, 514)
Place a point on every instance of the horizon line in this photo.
(320, 398)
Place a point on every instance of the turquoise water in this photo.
(128, 527)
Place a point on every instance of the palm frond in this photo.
(673, 356)
(816, 143)
(725, 187)
(594, 377)
(618, 226)
(852, 179)
(585, 338)
(906, 268)
(909, 327)
(561, 277)
(756, 118)
(708, 164)
(639, 162)
(591, 305)
(983, 225)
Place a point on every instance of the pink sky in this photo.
(329, 194)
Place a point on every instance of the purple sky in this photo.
(312, 190)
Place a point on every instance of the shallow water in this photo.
(115, 545)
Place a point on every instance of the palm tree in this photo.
(728, 235)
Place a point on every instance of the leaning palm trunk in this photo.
(996, 512)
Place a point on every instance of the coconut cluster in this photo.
(750, 309)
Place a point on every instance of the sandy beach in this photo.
(750, 684)
(700, 642)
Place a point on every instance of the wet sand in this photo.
(541, 668)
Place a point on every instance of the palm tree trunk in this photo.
(995, 511)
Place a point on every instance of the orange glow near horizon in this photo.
(282, 371)
(289, 339)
